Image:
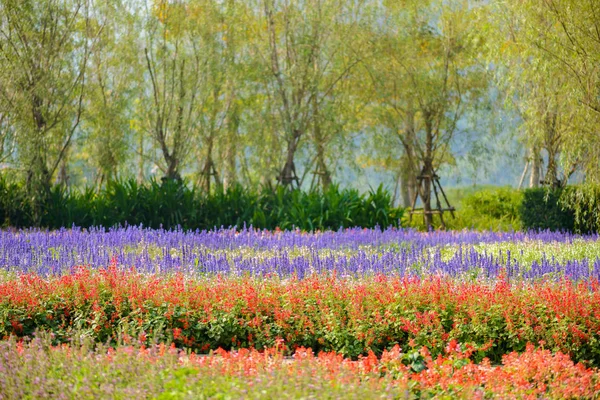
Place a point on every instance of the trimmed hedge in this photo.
(171, 204)
(496, 209)
(542, 209)
(574, 209)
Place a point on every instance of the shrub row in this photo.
(170, 204)
(321, 312)
(495, 209)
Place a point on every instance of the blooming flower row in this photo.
(351, 252)
(321, 312)
(38, 370)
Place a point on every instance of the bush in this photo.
(487, 209)
(542, 209)
(583, 203)
(15, 210)
(496, 209)
(573, 209)
(171, 204)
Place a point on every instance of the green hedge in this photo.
(171, 204)
(496, 209)
(542, 209)
(572, 209)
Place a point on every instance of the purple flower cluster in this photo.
(348, 252)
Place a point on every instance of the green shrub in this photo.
(500, 203)
(495, 209)
(15, 210)
(170, 204)
(486, 209)
(583, 203)
(542, 209)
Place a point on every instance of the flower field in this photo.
(370, 313)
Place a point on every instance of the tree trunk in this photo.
(551, 178)
(38, 181)
(172, 168)
(323, 174)
(427, 171)
(408, 180)
(38, 184)
(405, 189)
(62, 178)
(536, 165)
(229, 178)
(552, 146)
(140, 174)
(208, 170)
(410, 169)
(322, 170)
(171, 158)
(288, 173)
(425, 192)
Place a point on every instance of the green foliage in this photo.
(494, 209)
(15, 210)
(456, 195)
(541, 209)
(574, 209)
(170, 204)
(583, 202)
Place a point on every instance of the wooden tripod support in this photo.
(435, 183)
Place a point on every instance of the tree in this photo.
(113, 86)
(533, 85)
(424, 78)
(305, 58)
(44, 51)
(173, 72)
(215, 27)
(547, 56)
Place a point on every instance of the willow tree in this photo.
(44, 52)
(113, 86)
(170, 96)
(305, 56)
(425, 76)
(547, 53)
(218, 28)
(535, 85)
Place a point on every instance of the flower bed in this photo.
(350, 316)
(38, 370)
(357, 313)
